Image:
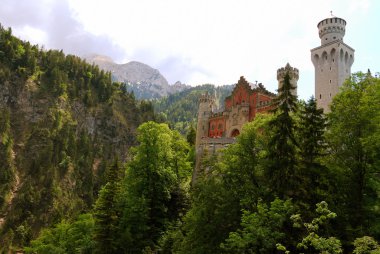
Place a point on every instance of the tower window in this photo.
(333, 60)
(330, 68)
(330, 81)
(320, 96)
(330, 95)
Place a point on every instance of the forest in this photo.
(86, 168)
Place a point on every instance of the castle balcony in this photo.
(215, 144)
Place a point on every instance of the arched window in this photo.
(235, 133)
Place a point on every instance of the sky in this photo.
(200, 41)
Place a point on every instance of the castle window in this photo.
(330, 81)
(320, 96)
(333, 60)
(330, 95)
(330, 68)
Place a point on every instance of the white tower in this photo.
(332, 60)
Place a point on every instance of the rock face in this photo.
(145, 81)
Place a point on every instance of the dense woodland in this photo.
(295, 181)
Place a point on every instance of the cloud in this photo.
(52, 23)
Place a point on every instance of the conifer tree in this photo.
(281, 159)
(311, 143)
(106, 212)
(312, 126)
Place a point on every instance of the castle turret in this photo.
(206, 104)
(293, 74)
(332, 60)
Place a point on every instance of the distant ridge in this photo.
(145, 81)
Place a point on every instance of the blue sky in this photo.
(200, 41)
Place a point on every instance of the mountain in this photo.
(143, 80)
(62, 123)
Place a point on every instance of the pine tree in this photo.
(311, 133)
(312, 146)
(106, 212)
(281, 159)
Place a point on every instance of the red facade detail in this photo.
(245, 97)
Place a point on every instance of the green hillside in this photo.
(62, 121)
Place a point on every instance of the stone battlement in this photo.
(293, 72)
(331, 29)
(206, 98)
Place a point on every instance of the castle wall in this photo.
(217, 125)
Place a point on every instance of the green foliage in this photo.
(353, 135)
(212, 216)
(312, 148)
(281, 169)
(65, 237)
(260, 230)
(312, 241)
(151, 192)
(107, 212)
(311, 129)
(366, 245)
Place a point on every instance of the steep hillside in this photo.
(62, 121)
(143, 80)
(180, 109)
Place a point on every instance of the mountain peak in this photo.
(145, 81)
(94, 58)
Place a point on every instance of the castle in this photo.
(332, 61)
